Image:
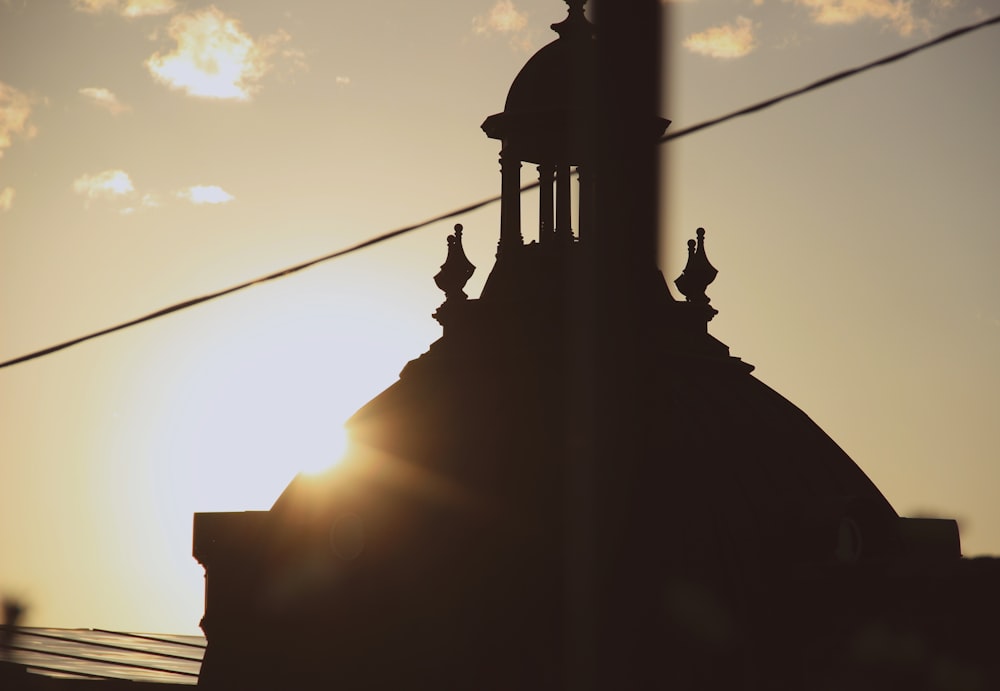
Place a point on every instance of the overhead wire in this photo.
(831, 79)
(281, 273)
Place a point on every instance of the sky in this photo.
(155, 150)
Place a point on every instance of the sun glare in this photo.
(220, 408)
(254, 391)
(336, 451)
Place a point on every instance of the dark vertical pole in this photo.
(627, 588)
(628, 101)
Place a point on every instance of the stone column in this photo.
(510, 204)
(546, 227)
(564, 205)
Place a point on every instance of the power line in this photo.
(246, 284)
(826, 81)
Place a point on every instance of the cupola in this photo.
(549, 119)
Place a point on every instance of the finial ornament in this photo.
(576, 23)
(456, 270)
(698, 274)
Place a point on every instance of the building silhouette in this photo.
(577, 486)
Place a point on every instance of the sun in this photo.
(218, 410)
(246, 399)
(335, 452)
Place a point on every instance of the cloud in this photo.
(145, 8)
(726, 41)
(94, 6)
(116, 185)
(503, 18)
(108, 184)
(205, 194)
(6, 198)
(214, 57)
(896, 13)
(128, 8)
(148, 201)
(15, 109)
(105, 99)
(293, 57)
(342, 81)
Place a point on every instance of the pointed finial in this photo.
(698, 274)
(456, 270)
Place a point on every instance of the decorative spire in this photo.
(456, 270)
(575, 24)
(697, 275)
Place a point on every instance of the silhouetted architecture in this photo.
(577, 486)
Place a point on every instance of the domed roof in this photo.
(550, 104)
(736, 468)
(550, 111)
(550, 79)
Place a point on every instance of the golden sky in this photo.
(153, 150)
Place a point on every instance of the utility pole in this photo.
(613, 578)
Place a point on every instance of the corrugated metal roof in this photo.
(101, 654)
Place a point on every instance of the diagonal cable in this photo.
(247, 284)
(833, 78)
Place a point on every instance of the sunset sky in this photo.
(155, 150)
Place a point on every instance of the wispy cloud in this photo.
(148, 201)
(95, 6)
(126, 8)
(214, 57)
(144, 8)
(342, 81)
(898, 14)
(108, 184)
(727, 41)
(205, 194)
(6, 198)
(504, 18)
(15, 111)
(293, 58)
(103, 98)
(115, 185)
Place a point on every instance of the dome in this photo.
(550, 80)
(731, 462)
(550, 104)
(550, 112)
